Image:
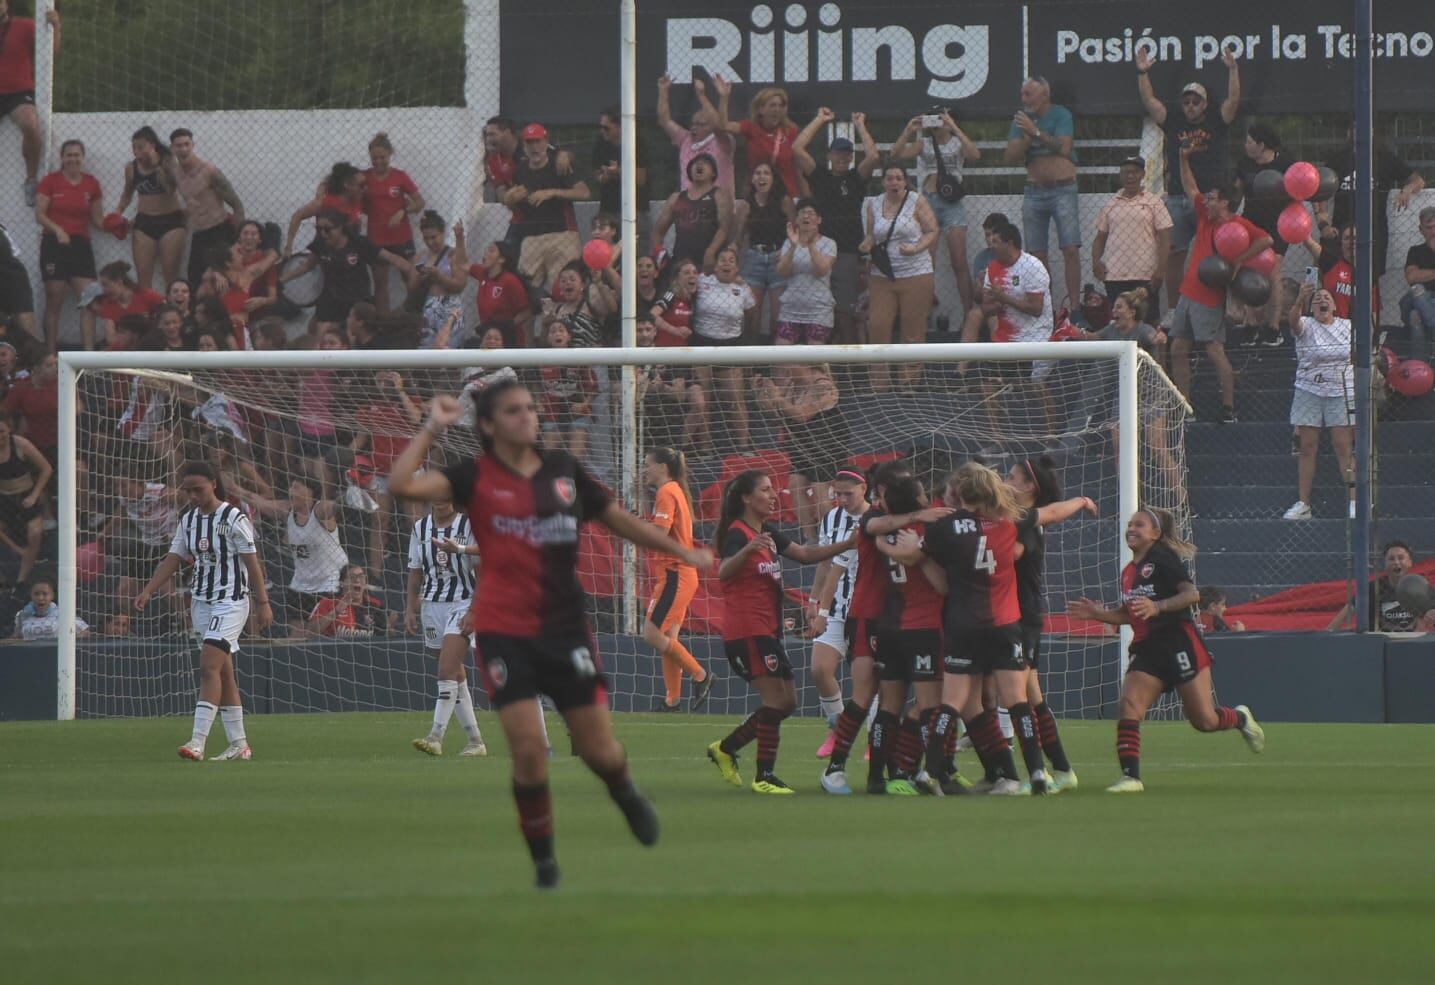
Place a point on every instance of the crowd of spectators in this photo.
(764, 238)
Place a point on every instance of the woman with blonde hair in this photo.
(767, 133)
(1158, 602)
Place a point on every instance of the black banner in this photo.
(560, 65)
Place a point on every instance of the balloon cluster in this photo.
(1302, 182)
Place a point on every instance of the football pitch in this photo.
(339, 854)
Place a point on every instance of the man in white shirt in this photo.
(1324, 390)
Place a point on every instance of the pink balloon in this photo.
(1412, 378)
(90, 561)
(597, 254)
(1264, 262)
(1294, 223)
(1232, 240)
(1302, 181)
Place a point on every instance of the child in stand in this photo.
(40, 618)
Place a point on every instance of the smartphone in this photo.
(930, 121)
(1312, 276)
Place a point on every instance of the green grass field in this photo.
(341, 855)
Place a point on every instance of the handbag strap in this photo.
(893, 227)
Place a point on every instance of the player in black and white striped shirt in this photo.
(218, 539)
(831, 594)
(440, 590)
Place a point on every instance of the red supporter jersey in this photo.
(498, 170)
(565, 390)
(676, 312)
(388, 430)
(142, 302)
(752, 598)
(338, 203)
(913, 602)
(1339, 280)
(70, 204)
(526, 528)
(259, 287)
(870, 590)
(17, 54)
(772, 147)
(501, 300)
(383, 199)
(979, 557)
(1202, 246)
(40, 407)
(1156, 576)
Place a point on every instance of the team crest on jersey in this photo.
(203, 545)
(498, 672)
(1147, 570)
(771, 661)
(566, 491)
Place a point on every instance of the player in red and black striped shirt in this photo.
(751, 576)
(1158, 601)
(526, 506)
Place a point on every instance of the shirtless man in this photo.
(206, 192)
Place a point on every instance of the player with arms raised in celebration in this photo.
(667, 472)
(218, 540)
(751, 577)
(525, 506)
(1158, 600)
(440, 590)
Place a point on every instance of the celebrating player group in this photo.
(935, 600)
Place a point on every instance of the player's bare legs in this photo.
(1206, 716)
(1139, 691)
(779, 700)
(592, 732)
(213, 692)
(825, 661)
(454, 698)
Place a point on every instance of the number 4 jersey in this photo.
(979, 557)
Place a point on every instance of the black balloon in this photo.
(1215, 271)
(1415, 595)
(1329, 184)
(1269, 186)
(1251, 287)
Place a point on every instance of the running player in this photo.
(1158, 601)
(751, 577)
(910, 642)
(975, 550)
(1038, 492)
(667, 472)
(526, 506)
(832, 593)
(218, 539)
(440, 589)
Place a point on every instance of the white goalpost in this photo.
(1104, 411)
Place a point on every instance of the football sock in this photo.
(741, 735)
(535, 818)
(1128, 747)
(881, 737)
(849, 723)
(1025, 725)
(618, 780)
(993, 746)
(831, 707)
(940, 735)
(769, 734)
(950, 763)
(1004, 722)
(679, 654)
(232, 716)
(203, 719)
(1229, 718)
(443, 707)
(464, 711)
(1051, 738)
(908, 748)
(672, 680)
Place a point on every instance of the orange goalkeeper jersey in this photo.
(672, 513)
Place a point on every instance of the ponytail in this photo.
(1137, 300)
(1042, 473)
(677, 465)
(1170, 536)
(741, 485)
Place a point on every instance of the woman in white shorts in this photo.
(1324, 389)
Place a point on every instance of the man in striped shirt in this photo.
(218, 540)
(440, 590)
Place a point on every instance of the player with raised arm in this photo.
(1038, 491)
(667, 472)
(525, 506)
(218, 539)
(751, 577)
(1158, 601)
(974, 552)
(832, 593)
(440, 590)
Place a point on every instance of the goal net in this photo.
(303, 442)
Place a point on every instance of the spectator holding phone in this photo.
(1200, 131)
(941, 152)
(1042, 137)
(1133, 239)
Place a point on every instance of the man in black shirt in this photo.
(1417, 308)
(607, 167)
(839, 188)
(542, 202)
(1391, 173)
(1263, 152)
(1205, 133)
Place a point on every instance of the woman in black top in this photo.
(762, 218)
(345, 257)
(701, 216)
(158, 229)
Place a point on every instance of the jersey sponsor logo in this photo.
(964, 526)
(957, 663)
(557, 529)
(565, 489)
(773, 568)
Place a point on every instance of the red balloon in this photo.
(1302, 181)
(90, 561)
(1232, 240)
(1294, 223)
(1264, 262)
(1412, 378)
(597, 254)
